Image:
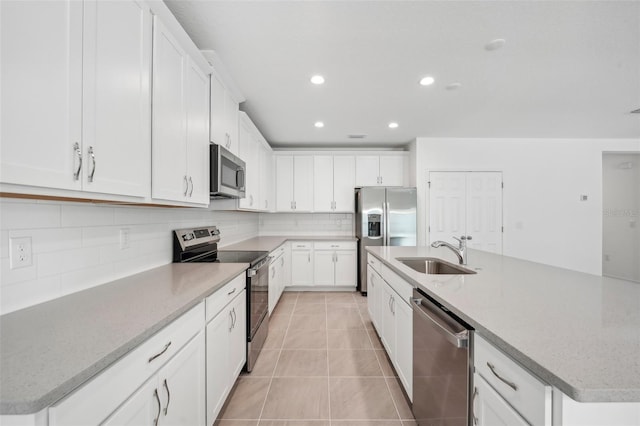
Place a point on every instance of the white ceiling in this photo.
(569, 69)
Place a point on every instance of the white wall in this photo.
(312, 224)
(621, 203)
(77, 245)
(544, 219)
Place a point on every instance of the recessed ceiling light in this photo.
(453, 86)
(427, 81)
(495, 44)
(393, 125)
(319, 124)
(317, 79)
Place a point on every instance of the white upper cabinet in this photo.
(383, 170)
(84, 78)
(256, 153)
(224, 116)
(333, 183)
(180, 122)
(294, 183)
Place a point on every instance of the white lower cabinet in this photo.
(301, 263)
(174, 396)
(490, 409)
(276, 276)
(392, 317)
(226, 347)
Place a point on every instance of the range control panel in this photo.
(193, 237)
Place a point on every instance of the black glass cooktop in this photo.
(251, 257)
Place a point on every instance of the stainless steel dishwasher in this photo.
(441, 364)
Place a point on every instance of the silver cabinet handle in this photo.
(250, 200)
(473, 405)
(191, 182)
(161, 352)
(166, 386)
(335, 245)
(93, 161)
(309, 258)
(393, 305)
(505, 381)
(231, 292)
(235, 317)
(292, 205)
(186, 186)
(231, 323)
(282, 261)
(155, 421)
(273, 273)
(76, 149)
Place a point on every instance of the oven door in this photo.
(258, 297)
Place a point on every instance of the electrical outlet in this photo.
(125, 238)
(20, 255)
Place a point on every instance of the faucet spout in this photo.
(460, 251)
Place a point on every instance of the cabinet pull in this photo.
(191, 182)
(161, 352)
(93, 161)
(235, 317)
(231, 321)
(166, 386)
(76, 148)
(282, 261)
(309, 258)
(186, 186)
(155, 421)
(231, 292)
(505, 381)
(473, 405)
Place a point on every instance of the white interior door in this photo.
(466, 203)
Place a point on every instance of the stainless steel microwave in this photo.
(227, 174)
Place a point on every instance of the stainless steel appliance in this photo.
(201, 245)
(227, 178)
(441, 364)
(385, 216)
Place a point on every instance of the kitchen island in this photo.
(576, 331)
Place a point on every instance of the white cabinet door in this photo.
(345, 268)
(388, 328)
(301, 268)
(373, 296)
(367, 170)
(323, 183)
(391, 170)
(117, 116)
(344, 182)
(238, 336)
(142, 408)
(245, 145)
(490, 409)
(266, 179)
(169, 178)
(197, 92)
(303, 183)
(324, 268)
(217, 126)
(218, 385)
(41, 86)
(404, 344)
(284, 183)
(231, 109)
(273, 285)
(182, 386)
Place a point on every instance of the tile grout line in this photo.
(273, 373)
(326, 315)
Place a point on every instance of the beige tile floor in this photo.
(322, 365)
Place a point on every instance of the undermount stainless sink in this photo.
(434, 266)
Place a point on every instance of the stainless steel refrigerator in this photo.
(384, 217)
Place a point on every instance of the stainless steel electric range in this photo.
(201, 245)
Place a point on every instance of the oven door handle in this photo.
(251, 272)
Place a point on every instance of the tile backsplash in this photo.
(312, 224)
(76, 246)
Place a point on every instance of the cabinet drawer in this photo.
(99, 397)
(224, 295)
(403, 288)
(301, 245)
(334, 245)
(374, 263)
(528, 395)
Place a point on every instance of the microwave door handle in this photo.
(240, 178)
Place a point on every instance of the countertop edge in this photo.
(578, 395)
(281, 239)
(30, 407)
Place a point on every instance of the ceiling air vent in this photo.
(357, 136)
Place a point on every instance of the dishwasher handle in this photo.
(427, 310)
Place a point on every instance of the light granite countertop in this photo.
(576, 331)
(48, 350)
(270, 243)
